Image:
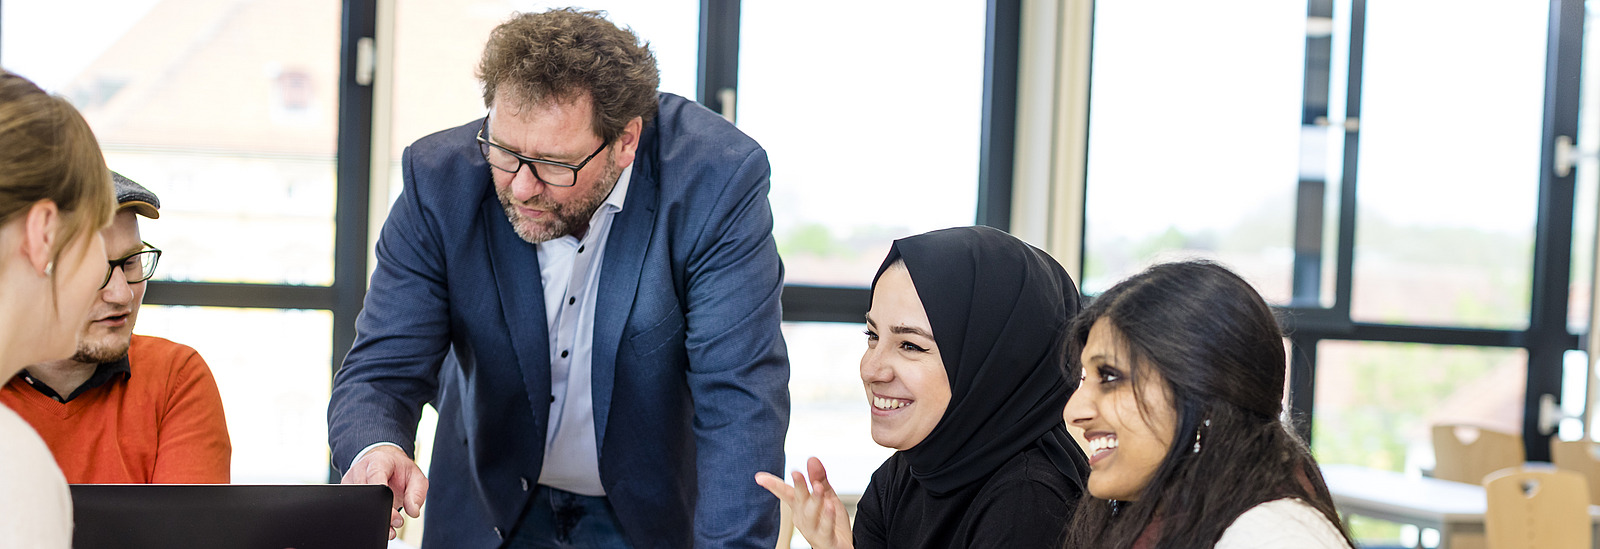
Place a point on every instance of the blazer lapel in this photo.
(619, 281)
(516, 273)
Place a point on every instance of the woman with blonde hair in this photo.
(55, 196)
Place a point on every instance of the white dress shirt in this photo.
(569, 268)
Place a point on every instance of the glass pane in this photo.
(438, 45)
(830, 419)
(1587, 179)
(1574, 394)
(275, 395)
(1448, 173)
(226, 110)
(1376, 402)
(871, 138)
(1195, 138)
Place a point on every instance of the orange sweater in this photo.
(162, 423)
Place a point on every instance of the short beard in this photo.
(562, 217)
(99, 355)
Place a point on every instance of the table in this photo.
(1452, 508)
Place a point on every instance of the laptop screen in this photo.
(230, 516)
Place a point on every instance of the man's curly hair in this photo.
(563, 54)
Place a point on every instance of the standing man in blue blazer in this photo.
(585, 285)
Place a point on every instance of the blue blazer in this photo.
(690, 372)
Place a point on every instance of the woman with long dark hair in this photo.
(1181, 402)
(964, 375)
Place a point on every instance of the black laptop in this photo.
(230, 516)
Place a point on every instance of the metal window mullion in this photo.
(718, 73)
(1344, 262)
(998, 134)
(1547, 335)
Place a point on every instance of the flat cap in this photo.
(134, 195)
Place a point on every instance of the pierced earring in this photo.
(1197, 432)
(49, 269)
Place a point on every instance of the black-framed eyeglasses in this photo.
(549, 172)
(136, 267)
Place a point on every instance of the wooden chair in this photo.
(1579, 456)
(1537, 509)
(1465, 453)
(785, 526)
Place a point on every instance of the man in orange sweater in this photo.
(126, 408)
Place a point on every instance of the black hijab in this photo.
(999, 310)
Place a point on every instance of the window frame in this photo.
(1547, 337)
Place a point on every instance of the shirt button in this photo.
(563, 354)
(572, 300)
(524, 484)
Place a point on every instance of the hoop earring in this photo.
(1197, 431)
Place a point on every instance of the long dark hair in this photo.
(1217, 348)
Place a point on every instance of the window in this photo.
(1403, 243)
(829, 419)
(225, 111)
(1194, 139)
(271, 367)
(872, 138)
(1447, 180)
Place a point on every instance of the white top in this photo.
(570, 271)
(35, 507)
(1282, 523)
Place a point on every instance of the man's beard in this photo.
(559, 219)
(99, 354)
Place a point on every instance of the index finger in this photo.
(775, 485)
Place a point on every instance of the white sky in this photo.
(60, 25)
(1195, 114)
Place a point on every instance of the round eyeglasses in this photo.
(549, 172)
(136, 267)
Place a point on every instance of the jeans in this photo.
(558, 519)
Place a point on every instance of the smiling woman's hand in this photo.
(818, 512)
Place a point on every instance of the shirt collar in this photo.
(103, 374)
(619, 193)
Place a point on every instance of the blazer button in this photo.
(524, 484)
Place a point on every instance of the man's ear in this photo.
(39, 234)
(628, 142)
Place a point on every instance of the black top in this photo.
(999, 469)
(1027, 503)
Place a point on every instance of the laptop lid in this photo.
(230, 516)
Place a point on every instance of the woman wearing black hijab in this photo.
(966, 341)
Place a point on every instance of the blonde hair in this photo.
(47, 152)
